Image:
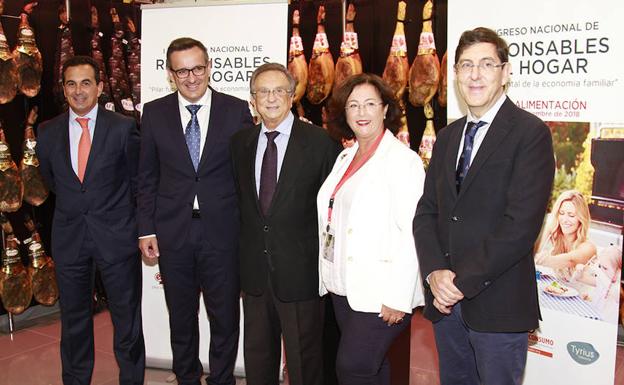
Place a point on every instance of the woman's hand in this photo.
(391, 316)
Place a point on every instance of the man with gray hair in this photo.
(279, 167)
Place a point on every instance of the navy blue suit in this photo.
(196, 254)
(94, 224)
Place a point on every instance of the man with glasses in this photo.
(483, 204)
(188, 214)
(280, 166)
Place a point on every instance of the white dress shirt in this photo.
(488, 117)
(203, 117)
(75, 131)
(281, 141)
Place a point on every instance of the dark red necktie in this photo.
(268, 173)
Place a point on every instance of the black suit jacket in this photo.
(168, 182)
(485, 234)
(104, 204)
(284, 244)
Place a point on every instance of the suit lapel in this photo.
(451, 153)
(64, 145)
(174, 124)
(292, 163)
(498, 130)
(249, 163)
(216, 123)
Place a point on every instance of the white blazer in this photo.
(381, 264)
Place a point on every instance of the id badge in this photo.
(328, 244)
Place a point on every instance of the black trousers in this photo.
(364, 342)
(122, 281)
(199, 267)
(267, 319)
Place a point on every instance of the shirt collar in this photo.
(92, 115)
(489, 116)
(284, 128)
(203, 101)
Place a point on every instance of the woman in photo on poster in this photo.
(564, 242)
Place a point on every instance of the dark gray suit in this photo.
(279, 255)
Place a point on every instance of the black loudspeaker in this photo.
(607, 157)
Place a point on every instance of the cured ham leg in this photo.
(64, 51)
(8, 71)
(41, 269)
(35, 190)
(425, 71)
(349, 63)
(27, 56)
(397, 68)
(15, 287)
(428, 139)
(297, 65)
(442, 87)
(11, 186)
(117, 69)
(321, 69)
(97, 54)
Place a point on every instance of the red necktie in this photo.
(84, 146)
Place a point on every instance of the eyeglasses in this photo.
(486, 66)
(368, 106)
(184, 73)
(264, 93)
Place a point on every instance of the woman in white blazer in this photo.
(366, 206)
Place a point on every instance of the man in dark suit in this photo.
(279, 166)
(88, 157)
(483, 204)
(188, 213)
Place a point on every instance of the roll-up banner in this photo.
(566, 62)
(240, 36)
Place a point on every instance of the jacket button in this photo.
(265, 251)
(266, 229)
(486, 283)
(196, 179)
(454, 218)
(447, 255)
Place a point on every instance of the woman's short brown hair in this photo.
(337, 120)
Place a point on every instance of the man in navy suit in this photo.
(188, 212)
(483, 204)
(88, 157)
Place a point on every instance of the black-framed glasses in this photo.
(183, 73)
(486, 66)
(264, 93)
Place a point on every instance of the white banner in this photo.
(240, 38)
(566, 57)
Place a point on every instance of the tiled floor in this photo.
(31, 355)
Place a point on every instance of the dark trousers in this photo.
(364, 342)
(300, 322)
(122, 281)
(199, 267)
(469, 357)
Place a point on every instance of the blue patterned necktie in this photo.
(464, 159)
(192, 134)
